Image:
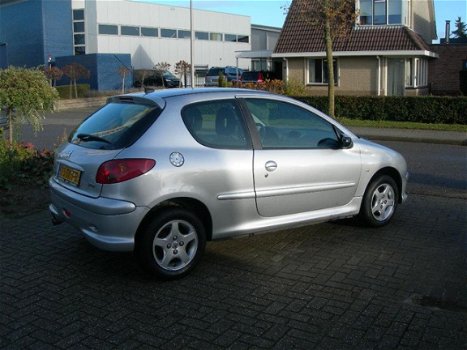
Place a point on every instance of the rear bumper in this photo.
(106, 223)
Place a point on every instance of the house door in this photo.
(396, 75)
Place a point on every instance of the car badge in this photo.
(176, 159)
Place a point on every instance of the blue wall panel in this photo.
(35, 29)
(21, 29)
(3, 56)
(58, 28)
(104, 69)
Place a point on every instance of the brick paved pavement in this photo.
(329, 286)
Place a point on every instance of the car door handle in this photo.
(270, 165)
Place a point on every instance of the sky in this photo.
(272, 13)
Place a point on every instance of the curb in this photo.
(63, 105)
(414, 139)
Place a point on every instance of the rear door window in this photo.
(217, 124)
(115, 126)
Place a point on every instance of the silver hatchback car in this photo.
(164, 172)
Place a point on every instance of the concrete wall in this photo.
(357, 76)
(148, 51)
(444, 72)
(423, 19)
(35, 29)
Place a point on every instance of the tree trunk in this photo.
(123, 83)
(76, 88)
(71, 89)
(9, 116)
(330, 65)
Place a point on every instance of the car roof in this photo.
(159, 96)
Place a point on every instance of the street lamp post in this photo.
(192, 38)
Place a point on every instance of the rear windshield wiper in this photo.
(90, 137)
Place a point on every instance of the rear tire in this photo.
(380, 201)
(171, 245)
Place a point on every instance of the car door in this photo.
(300, 165)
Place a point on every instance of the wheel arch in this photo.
(394, 174)
(193, 205)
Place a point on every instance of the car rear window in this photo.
(217, 124)
(214, 71)
(115, 126)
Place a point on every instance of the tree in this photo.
(160, 69)
(461, 29)
(52, 74)
(74, 72)
(334, 19)
(123, 71)
(25, 95)
(182, 68)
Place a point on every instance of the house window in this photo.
(409, 73)
(184, 34)
(318, 71)
(129, 30)
(380, 12)
(78, 15)
(422, 72)
(416, 72)
(79, 40)
(230, 37)
(168, 33)
(243, 39)
(202, 35)
(395, 12)
(108, 29)
(215, 36)
(366, 12)
(146, 31)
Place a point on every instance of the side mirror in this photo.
(346, 142)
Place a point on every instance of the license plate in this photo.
(69, 175)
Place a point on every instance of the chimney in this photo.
(448, 31)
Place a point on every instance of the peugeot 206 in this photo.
(162, 173)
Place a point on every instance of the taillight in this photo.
(119, 170)
(260, 77)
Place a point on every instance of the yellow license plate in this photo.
(69, 175)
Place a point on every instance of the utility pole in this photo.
(192, 38)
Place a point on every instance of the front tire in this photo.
(172, 244)
(380, 201)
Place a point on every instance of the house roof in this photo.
(302, 36)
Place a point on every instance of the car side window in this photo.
(282, 125)
(216, 124)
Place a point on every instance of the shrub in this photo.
(64, 90)
(22, 163)
(423, 109)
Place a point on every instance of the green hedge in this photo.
(64, 91)
(429, 109)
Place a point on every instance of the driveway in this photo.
(327, 286)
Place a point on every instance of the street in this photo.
(328, 286)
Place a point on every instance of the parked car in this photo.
(230, 74)
(256, 76)
(164, 172)
(166, 79)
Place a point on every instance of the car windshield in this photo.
(169, 75)
(250, 75)
(114, 126)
